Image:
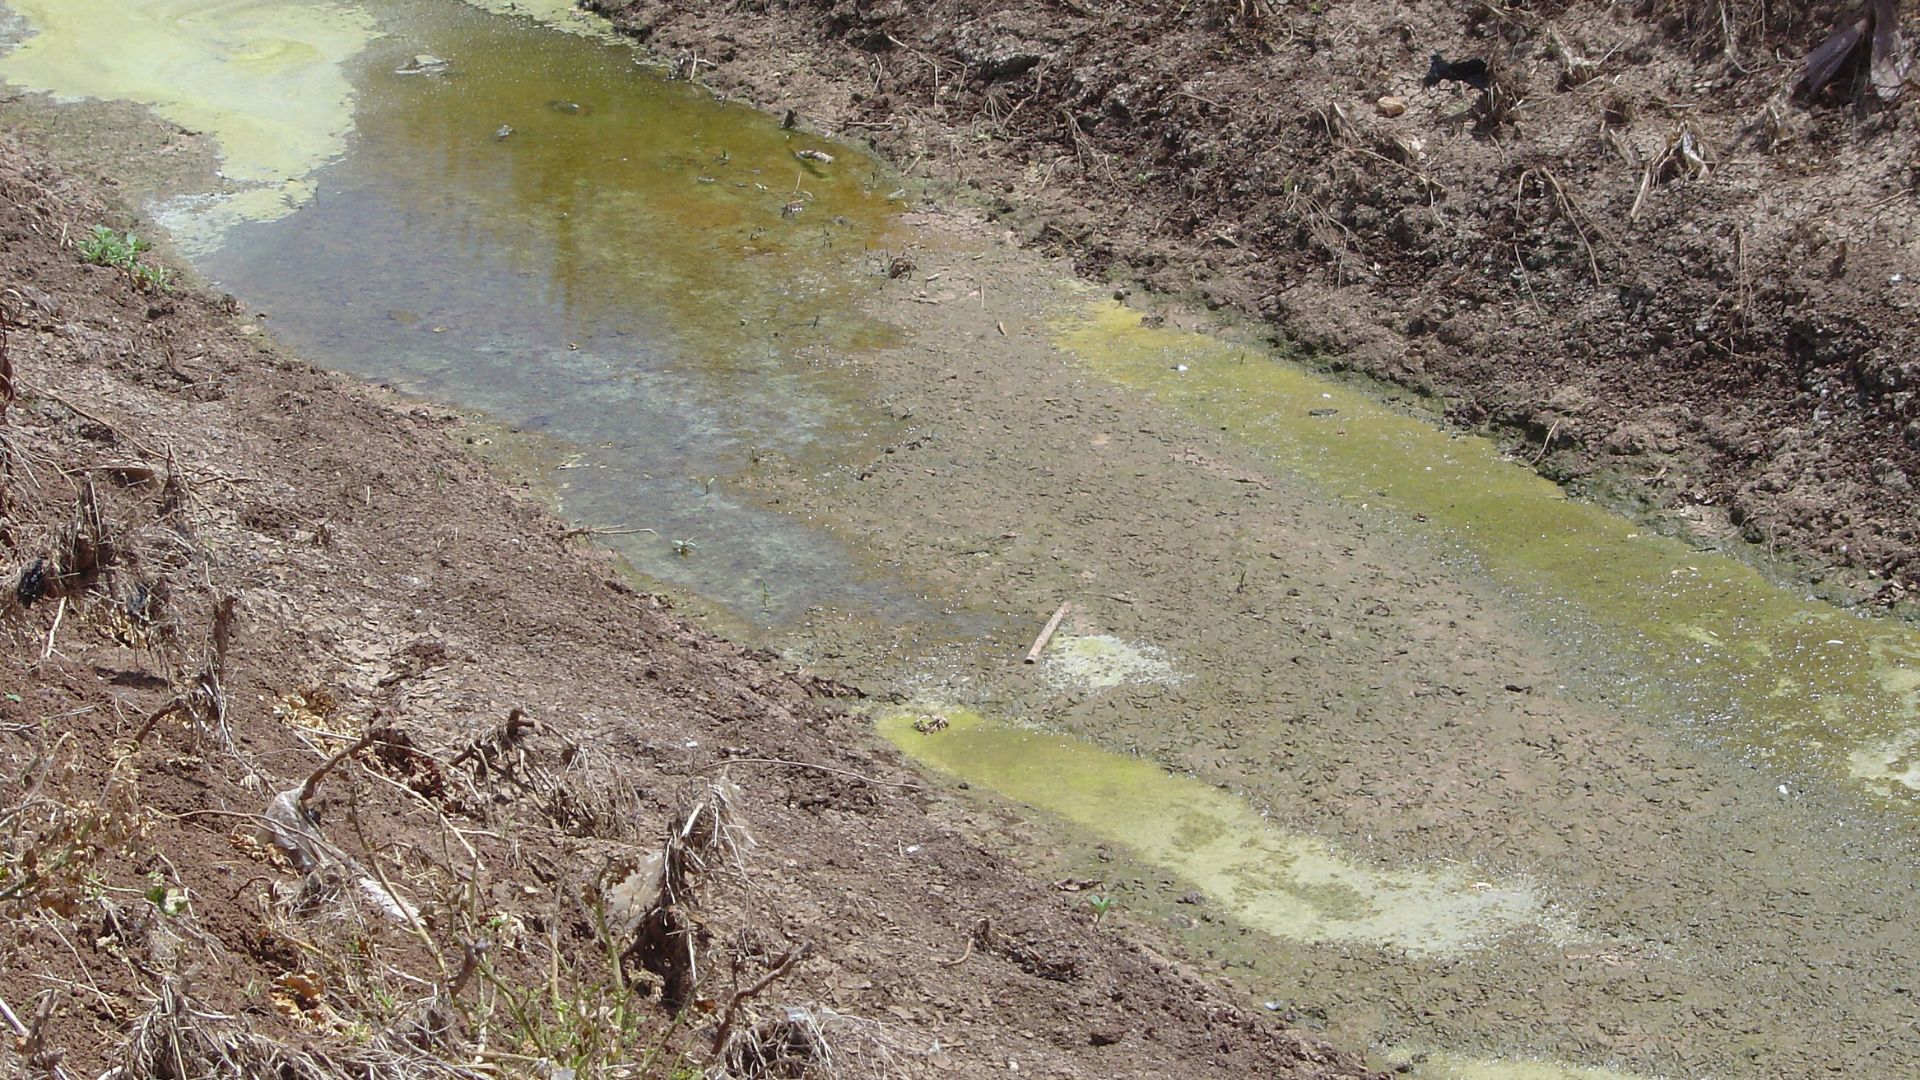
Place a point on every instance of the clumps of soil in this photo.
(1597, 214)
(323, 754)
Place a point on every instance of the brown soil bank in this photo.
(1636, 252)
(322, 754)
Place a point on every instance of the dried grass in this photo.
(175, 1040)
(580, 789)
(1739, 30)
(815, 1041)
(50, 843)
(706, 835)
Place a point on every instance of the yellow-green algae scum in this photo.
(1286, 884)
(263, 77)
(1771, 673)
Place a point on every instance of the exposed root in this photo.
(745, 994)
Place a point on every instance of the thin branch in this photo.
(792, 956)
(808, 765)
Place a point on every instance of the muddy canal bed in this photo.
(1420, 753)
(1353, 677)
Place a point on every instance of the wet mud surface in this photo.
(1355, 683)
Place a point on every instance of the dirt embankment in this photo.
(1636, 253)
(324, 754)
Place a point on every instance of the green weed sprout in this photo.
(104, 247)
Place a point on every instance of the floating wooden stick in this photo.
(1053, 624)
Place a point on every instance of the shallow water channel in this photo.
(1381, 724)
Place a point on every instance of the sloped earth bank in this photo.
(1639, 257)
(462, 893)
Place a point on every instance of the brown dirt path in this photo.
(383, 580)
(1689, 290)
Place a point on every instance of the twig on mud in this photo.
(80, 412)
(792, 956)
(28, 1037)
(171, 706)
(604, 530)
(930, 62)
(391, 899)
(291, 823)
(1046, 633)
(1039, 84)
(1547, 443)
(1191, 96)
(1083, 147)
(1433, 186)
(59, 612)
(964, 953)
(1684, 154)
(207, 698)
(312, 784)
(807, 765)
(1326, 229)
(470, 954)
(1526, 280)
(6, 369)
(1335, 122)
(1568, 210)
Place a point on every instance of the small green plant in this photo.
(149, 277)
(684, 548)
(170, 901)
(1100, 905)
(104, 247)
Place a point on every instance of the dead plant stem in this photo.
(809, 765)
(787, 960)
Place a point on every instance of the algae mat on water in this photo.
(263, 77)
(1286, 884)
(1698, 636)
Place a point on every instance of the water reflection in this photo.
(525, 224)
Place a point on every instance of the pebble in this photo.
(1391, 105)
